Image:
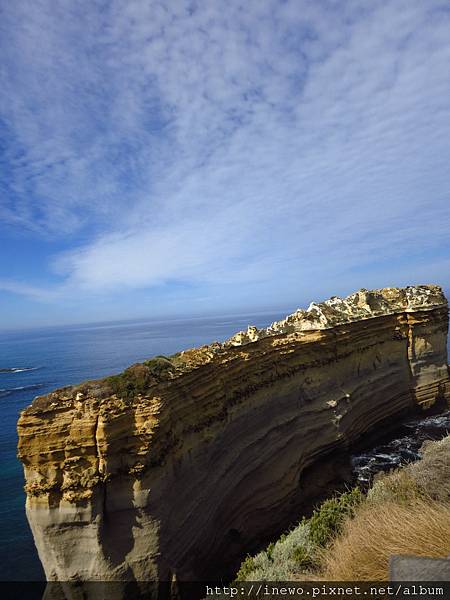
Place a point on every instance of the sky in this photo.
(187, 158)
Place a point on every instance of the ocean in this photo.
(37, 361)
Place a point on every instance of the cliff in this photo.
(175, 464)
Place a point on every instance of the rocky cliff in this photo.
(180, 464)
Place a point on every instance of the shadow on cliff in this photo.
(116, 530)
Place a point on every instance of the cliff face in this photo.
(176, 464)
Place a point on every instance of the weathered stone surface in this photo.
(364, 304)
(218, 448)
(419, 568)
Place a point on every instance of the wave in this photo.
(18, 369)
(20, 388)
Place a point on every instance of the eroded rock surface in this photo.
(180, 464)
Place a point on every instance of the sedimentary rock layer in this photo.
(180, 464)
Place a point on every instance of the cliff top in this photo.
(364, 304)
(139, 379)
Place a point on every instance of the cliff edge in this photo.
(178, 462)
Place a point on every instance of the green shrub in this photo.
(269, 549)
(327, 519)
(303, 557)
(137, 379)
(291, 554)
(299, 550)
(246, 568)
(159, 365)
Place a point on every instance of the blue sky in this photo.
(176, 158)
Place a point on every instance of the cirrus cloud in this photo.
(261, 143)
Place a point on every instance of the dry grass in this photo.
(361, 552)
(426, 478)
(397, 486)
(432, 473)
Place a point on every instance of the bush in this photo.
(327, 519)
(289, 556)
(295, 550)
(304, 559)
(159, 365)
(137, 379)
(246, 568)
(298, 550)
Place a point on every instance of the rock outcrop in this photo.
(179, 464)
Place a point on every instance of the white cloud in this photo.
(32, 291)
(263, 140)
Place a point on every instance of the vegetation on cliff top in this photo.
(138, 378)
(350, 537)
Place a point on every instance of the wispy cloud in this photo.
(24, 289)
(257, 142)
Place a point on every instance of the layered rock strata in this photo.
(163, 471)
